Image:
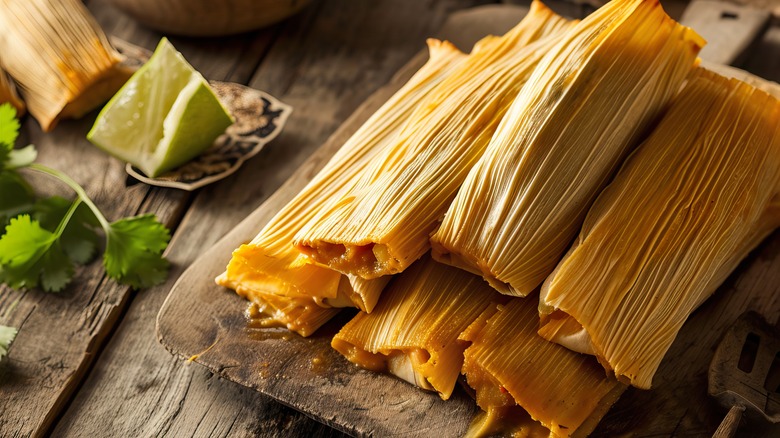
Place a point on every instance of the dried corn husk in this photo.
(8, 93)
(413, 332)
(508, 364)
(382, 226)
(270, 265)
(578, 116)
(59, 57)
(686, 207)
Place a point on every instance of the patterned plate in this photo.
(259, 116)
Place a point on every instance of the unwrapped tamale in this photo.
(508, 365)
(271, 273)
(576, 119)
(685, 208)
(383, 224)
(413, 332)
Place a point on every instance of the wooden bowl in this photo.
(209, 17)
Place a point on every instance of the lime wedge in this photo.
(165, 115)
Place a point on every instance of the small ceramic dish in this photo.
(259, 116)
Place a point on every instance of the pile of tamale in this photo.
(494, 162)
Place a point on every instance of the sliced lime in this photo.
(164, 116)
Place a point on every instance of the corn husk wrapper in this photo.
(271, 273)
(582, 110)
(59, 57)
(508, 365)
(686, 207)
(413, 332)
(8, 93)
(383, 225)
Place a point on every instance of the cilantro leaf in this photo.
(5, 154)
(30, 255)
(7, 335)
(55, 268)
(50, 211)
(16, 197)
(78, 239)
(134, 251)
(9, 126)
(41, 240)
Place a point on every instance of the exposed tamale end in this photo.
(685, 208)
(301, 315)
(280, 275)
(59, 57)
(382, 225)
(8, 93)
(509, 365)
(413, 331)
(581, 112)
(506, 421)
(270, 264)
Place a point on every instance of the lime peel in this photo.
(163, 117)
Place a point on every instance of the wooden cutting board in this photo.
(206, 323)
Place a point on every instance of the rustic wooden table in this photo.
(86, 361)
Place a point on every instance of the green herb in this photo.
(7, 335)
(9, 126)
(44, 239)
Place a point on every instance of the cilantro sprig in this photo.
(45, 238)
(7, 335)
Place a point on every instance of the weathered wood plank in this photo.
(567, 8)
(61, 334)
(319, 393)
(765, 60)
(363, 403)
(580, 8)
(325, 62)
(730, 30)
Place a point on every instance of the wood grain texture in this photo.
(323, 62)
(61, 334)
(730, 30)
(279, 364)
(200, 318)
(567, 8)
(728, 427)
(134, 382)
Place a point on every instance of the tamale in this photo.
(510, 421)
(413, 332)
(298, 314)
(8, 93)
(270, 265)
(579, 115)
(508, 365)
(686, 207)
(383, 225)
(59, 57)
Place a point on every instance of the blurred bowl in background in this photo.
(209, 17)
